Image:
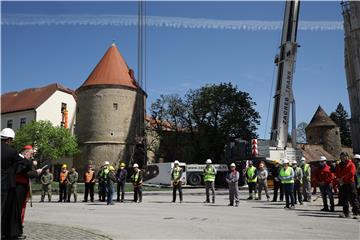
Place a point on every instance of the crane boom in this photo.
(285, 61)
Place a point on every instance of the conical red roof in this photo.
(111, 70)
(321, 119)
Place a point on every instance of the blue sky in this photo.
(178, 57)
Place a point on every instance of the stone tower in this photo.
(324, 131)
(110, 113)
(351, 13)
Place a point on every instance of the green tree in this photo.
(206, 118)
(50, 142)
(300, 132)
(340, 117)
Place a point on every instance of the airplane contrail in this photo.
(161, 21)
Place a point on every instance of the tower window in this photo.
(115, 106)
(22, 122)
(9, 123)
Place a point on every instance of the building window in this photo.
(115, 106)
(63, 107)
(9, 123)
(320, 139)
(22, 122)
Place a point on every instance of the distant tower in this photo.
(324, 131)
(110, 113)
(351, 13)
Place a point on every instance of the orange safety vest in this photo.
(63, 176)
(88, 176)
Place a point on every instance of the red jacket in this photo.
(346, 171)
(324, 175)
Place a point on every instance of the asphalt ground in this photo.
(158, 218)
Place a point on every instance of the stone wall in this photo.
(329, 137)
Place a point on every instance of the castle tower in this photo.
(322, 130)
(351, 13)
(110, 113)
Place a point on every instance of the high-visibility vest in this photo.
(176, 173)
(135, 176)
(286, 173)
(209, 174)
(307, 171)
(251, 172)
(89, 176)
(63, 176)
(105, 173)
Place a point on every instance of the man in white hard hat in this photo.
(287, 180)
(297, 183)
(102, 176)
(232, 179)
(176, 174)
(324, 179)
(209, 180)
(306, 179)
(11, 161)
(137, 180)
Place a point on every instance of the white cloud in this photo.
(161, 21)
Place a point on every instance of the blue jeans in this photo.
(110, 193)
(289, 193)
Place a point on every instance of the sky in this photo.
(188, 45)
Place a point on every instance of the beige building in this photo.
(54, 103)
(110, 114)
(351, 13)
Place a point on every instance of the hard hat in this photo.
(7, 133)
(276, 161)
(176, 162)
(356, 156)
(208, 161)
(294, 162)
(135, 165)
(302, 159)
(27, 147)
(232, 165)
(64, 166)
(285, 161)
(122, 164)
(250, 162)
(323, 158)
(111, 168)
(106, 163)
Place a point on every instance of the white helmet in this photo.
(294, 162)
(135, 165)
(7, 133)
(356, 156)
(285, 161)
(323, 158)
(176, 162)
(106, 163)
(208, 161)
(232, 165)
(302, 159)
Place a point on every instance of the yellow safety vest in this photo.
(209, 174)
(286, 173)
(251, 172)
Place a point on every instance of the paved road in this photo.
(158, 218)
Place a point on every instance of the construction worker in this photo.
(102, 176)
(46, 180)
(262, 181)
(121, 176)
(137, 180)
(287, 180)
(73, 177)
(298, 178)
(89, 180)
(345, 174)
(277, 182)
(209, 180)
(324, 180)
(11, 161)
(232, 178)
(63, 183)
(356, 159)
(306, 180)
(251, 177)
(110, 181)
(176, 174)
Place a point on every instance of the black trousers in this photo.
(137, 193)
(289, 194)
(120, 189)
(252, 187)
(297, 192)
(89, 188)
(10, 214)
(62, 192)
(349, 194)
(326, 192)
(277, 187)
(179, 188)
